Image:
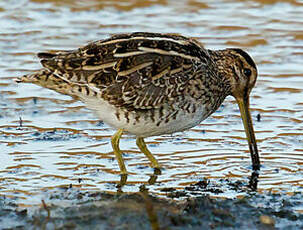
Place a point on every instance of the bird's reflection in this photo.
(253, 180)
(150, 208)
(152, 179)
(252, 184)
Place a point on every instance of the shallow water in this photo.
(48, 140)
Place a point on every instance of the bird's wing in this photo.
(137, 71)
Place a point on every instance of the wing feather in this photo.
(136, 71)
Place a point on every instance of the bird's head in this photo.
(243, 73)
(240, 71)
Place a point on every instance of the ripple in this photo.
(50, 141)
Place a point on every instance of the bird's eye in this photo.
(247, 72)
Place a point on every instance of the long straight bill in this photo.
(243, 103)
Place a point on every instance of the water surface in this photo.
(48, 140)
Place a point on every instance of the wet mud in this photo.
(70, 208)
(57, 168)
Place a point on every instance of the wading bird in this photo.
(150, 84)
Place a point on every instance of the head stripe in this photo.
(248, 59)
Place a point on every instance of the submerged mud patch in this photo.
(75, 209)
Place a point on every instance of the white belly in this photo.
(145, 126)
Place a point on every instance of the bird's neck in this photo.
(223, 67)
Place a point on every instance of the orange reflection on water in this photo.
(61, 143)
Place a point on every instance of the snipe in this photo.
(151, 84)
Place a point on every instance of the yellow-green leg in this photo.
(117, 151)
(142, 146)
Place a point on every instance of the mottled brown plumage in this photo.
(150, 84)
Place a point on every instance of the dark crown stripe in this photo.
(248, 59)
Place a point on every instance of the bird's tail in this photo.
(36, 77)
(47, 79)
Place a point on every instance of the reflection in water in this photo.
(253, 180)
(150, 210)
(122, 5)
(61, 143)
(151, 181)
